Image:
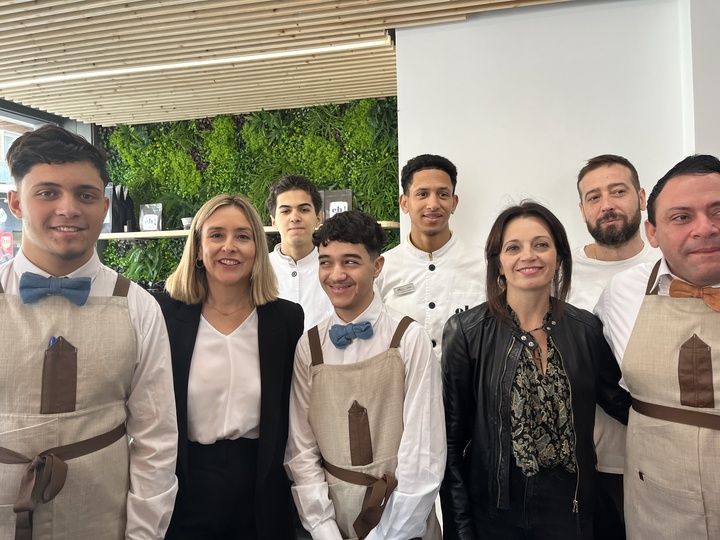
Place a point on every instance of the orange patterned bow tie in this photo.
(709, 295)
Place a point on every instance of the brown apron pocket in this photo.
(59, 379)
(359, 428)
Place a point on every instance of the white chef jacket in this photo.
(422, 452)
(589, 277)
(431, 287)
(299, 283)
(151, 420)
(620, 303)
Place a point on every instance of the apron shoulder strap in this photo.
(122, 286)
(400, 331)
(316, 354)
(653, 276)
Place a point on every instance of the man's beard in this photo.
(616, 235)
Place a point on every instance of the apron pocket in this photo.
(663, 512)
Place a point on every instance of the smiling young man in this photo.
(86, 363)
(661, 320)
(432, 275)
(366, 412)
(295, 208)
(611, 205)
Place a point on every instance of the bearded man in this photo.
(611, 204)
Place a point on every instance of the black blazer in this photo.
(280, 325)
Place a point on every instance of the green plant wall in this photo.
(183, 164)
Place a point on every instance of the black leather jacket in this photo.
(479, 360)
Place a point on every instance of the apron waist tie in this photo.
(376, 496)
(45, 475)
(679, 416)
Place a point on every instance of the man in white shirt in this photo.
(295, 207)
(611, 205)
(87, 415)
(366, 447)
(661, 321)
(432, 275)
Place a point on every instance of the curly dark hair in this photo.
(353, 227)
(423, 162)
(52, 144)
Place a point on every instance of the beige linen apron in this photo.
(356, 413)
(54, 396)
(672, 470)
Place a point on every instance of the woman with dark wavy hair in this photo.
(522, 374)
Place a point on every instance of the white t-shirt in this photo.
(589, 278)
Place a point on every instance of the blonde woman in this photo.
(232, 345)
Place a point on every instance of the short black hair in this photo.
(288, 183)
(695, 165)
(607, 160)
(353, 227)
(51, 144)
(423, 162)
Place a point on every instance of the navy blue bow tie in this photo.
(341, 336)
(34, 287)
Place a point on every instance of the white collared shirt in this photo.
(299, 283)
(431, 287)
(151, 420)
(422, 452)
(620, 302)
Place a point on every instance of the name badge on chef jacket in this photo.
(402, 290)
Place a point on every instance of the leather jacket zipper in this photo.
(500, 445)
(576, 505)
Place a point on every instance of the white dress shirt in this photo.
(431, 287)
(299, 283)
(620, 303)
(422, 451)
(618, 308)
(151, 420)
(224, 383)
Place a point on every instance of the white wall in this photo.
(519, 99)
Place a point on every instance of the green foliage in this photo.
(182, 164)
(147, 262)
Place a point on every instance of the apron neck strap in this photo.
(651, 281)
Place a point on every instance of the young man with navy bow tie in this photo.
(366, 447)
(88, 434)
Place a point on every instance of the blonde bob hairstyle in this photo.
(189, 284)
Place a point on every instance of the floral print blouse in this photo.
(540, 413)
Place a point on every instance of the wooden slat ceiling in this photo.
(219, 55)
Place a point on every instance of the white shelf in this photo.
(147, 235)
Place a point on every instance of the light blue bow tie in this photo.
(34, 287)
(341, 336)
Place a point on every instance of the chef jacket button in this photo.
(431, 305)
(434, 343)
(523, 338)
(294, 274)
(431, 267)
(531, 344)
